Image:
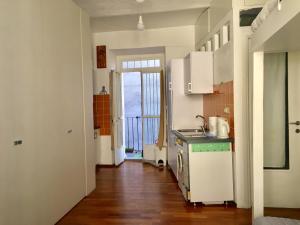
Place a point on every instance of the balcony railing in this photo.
(134, 134)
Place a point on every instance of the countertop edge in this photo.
(197, 140)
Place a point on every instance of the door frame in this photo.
(119, 68)
(259, 173)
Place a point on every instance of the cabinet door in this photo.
(201, 72)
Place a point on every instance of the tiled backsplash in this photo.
(102, 115)
(214, 104)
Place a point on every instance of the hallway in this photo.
(139, 194)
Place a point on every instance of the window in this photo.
(226, 34)
(131, 65)
(216, 41)
(208, 46)
(150, 63)
(125, 65)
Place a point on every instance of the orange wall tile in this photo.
(214, 104)
(102, 114)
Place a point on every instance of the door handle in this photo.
(189, 87)
(297, 123)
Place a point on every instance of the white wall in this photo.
(202, 27)
(257, 134)
(177, 42)
(170, 37)
(231, 63)
(241, 109)
(87, 84)
(173, 52)
(218, 10)
(104, 153)
(41, 94)
(223, 57)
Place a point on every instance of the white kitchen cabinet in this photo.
(198, 73)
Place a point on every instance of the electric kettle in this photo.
(223, 128)
(212, 126)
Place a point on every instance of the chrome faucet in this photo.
(204, 123)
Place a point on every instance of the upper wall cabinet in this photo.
(198, 73)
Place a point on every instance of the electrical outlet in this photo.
(18, 142)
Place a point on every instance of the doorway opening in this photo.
(141, 88)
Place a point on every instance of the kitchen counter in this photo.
(197, 140)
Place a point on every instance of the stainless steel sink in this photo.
(192, 132)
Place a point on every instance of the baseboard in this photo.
(151, 162)
(119, 164)
(105, 166)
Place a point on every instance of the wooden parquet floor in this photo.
(139, 194)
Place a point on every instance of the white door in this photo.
(282, 186)
(118, 138)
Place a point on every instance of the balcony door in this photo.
(141, 80)
(150, 109)
(142, 112)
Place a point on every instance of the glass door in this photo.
(150, 107)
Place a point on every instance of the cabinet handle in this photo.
(170, 86)
(190, 87)
(179, 160)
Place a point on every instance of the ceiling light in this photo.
(279, 5)
(140, 25)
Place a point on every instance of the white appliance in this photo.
(223, 128)
(212, 126)
(182, 108)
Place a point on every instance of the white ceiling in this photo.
(286, 39)
(101, 8)
(151, 20)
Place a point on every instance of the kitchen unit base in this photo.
(211, 173)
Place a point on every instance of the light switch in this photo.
(227, 110)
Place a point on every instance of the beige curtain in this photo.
(161, 135)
